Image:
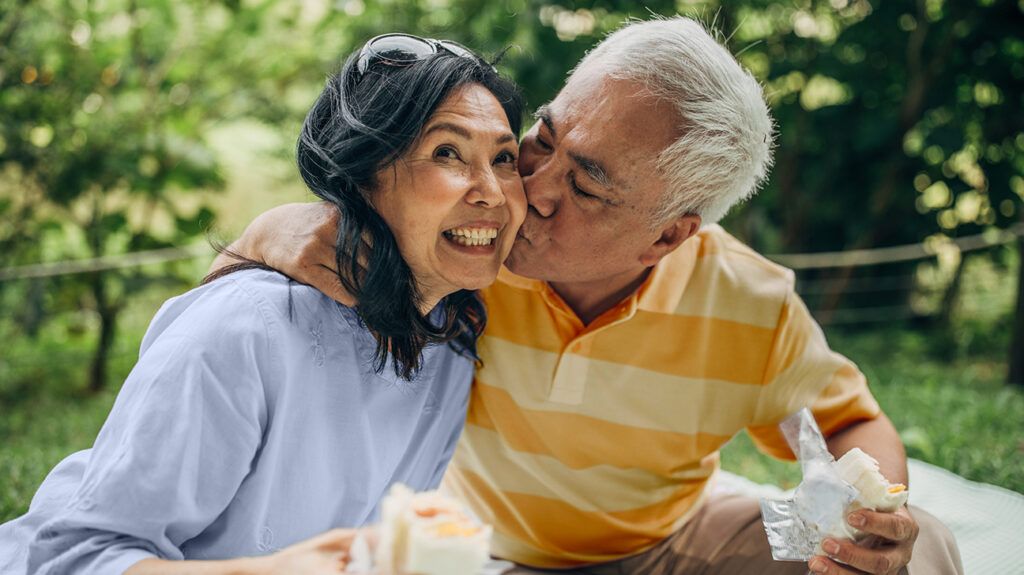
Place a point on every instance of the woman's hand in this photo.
(886, 552)
(326, 553)
(297, 240)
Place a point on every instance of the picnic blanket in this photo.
(987, 521)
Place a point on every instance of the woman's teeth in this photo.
(472, 236)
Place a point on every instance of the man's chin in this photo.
(519, 263)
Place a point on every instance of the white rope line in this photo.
(105, 263)
(910, 252)
(850, 258)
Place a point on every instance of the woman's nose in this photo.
(486, 190)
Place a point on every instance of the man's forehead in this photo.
(589, 158)
(616, 122)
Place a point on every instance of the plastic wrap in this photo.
(797, 525)
(829, 491)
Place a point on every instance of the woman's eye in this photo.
(446, 152)
(505, 158)
(542, 144)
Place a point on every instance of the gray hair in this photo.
(725, 150)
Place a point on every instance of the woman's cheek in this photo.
(446, 184)
(515, 197)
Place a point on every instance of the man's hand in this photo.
(297, 240)
(886, 550)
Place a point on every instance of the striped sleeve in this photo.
(803, 371)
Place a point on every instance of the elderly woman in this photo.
(262, 414)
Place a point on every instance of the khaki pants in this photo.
(726, 537)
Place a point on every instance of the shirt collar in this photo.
(660, 292)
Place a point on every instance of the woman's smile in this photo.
(456, 200)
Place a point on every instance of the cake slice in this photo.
(873, 490)
(429, 534)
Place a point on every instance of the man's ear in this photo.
(672, 235)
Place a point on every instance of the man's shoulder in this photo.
(725, 249)
(731, 280)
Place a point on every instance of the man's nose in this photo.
(541, 189)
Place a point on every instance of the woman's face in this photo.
(454, 201)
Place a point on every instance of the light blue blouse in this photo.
(253, 420)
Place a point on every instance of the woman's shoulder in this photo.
(253, 303)
(276, 293)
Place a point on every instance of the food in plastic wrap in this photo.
(829, 491)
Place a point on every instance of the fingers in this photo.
(897, 526)
(371, 535)
(829, 567)
(336, 540)
(880, 560)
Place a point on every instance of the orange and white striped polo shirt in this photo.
(585, 444)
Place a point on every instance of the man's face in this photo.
(589, 171)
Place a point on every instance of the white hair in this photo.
(725, 150)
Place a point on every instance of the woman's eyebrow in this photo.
(448, 126)
(461, 131)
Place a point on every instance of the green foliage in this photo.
(925, 95)
(102, 148)
(958, 415)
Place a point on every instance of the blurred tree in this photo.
(102, 149)
(898, 121)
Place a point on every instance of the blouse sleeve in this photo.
(181, 437)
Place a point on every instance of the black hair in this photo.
(360, 125)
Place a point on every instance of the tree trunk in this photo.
(108, 327)
(1016, 372)
(952, 295)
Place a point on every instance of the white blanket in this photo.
(987, 521)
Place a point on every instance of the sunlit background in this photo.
(135, 133)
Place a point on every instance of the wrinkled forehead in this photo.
(618, 122)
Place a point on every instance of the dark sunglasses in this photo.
(404, 50)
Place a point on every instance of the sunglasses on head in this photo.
(404, 50)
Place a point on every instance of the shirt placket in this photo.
(570, 378)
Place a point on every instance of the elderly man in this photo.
(630, 337)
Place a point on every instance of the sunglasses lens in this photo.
(457, 49)
(404, 49)
(393, 49)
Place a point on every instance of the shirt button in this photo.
(266, 539)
